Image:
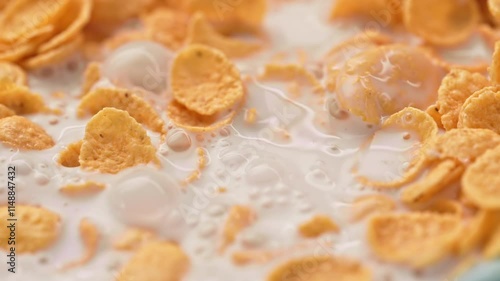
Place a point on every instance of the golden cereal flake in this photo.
(317, 226)
(290, 72)
(492, 249)
(167, 27)
(55, 55)
(481, 182)
(122, 99)
(20, 99)
(433, 111)
(455, 88)
(69, 157)
(132, 239)
(5, 111)
(478, 231)
(90, 237)
(239, 218)
(482, 110)
(397, 237)
(20, 132)
(115, 141)
(91, 76)
(204, 80)
(156, 261)
(81, 189)
(446, 206)
(368, 205)
(494, 69)
(36, 228)
(13, 73)
(321, 268)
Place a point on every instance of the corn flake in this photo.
(390, 9)
(455, 88)
(90, 237)
(115, 141)
(492, 249)
(132, 239)
(37, 228)
(479, 229)
(446, 206)
(114, 12)
(125, 100)
(291, 72)
(21, 133)
(156, 261)
(494, 69)
(318, 268)
(13, 73)
(69, 156)
(368, 205)
(167, 27)
(482, 110)
(448, 22)
(80, 189)
(239, 218)
(317, 226)
(54, 55)
(204, 80)
(201, 32)
(91, 76)
(481, 183)
(5, 111)
(20, 99)
(397, 237)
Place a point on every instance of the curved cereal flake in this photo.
(17, 53)
(462, 145)
(455, 88)
(397, 237)
(5, 111)
(494, 9)
(125, 100)
(21, 133)
(448, 22)
(36, 228)
(82, 189)
(389, 10)
(13, 73)
(232, 16)
(482, 110)
(22, 18)
(439, 177)
(494, 69)
(479, 229)
(77, 16)
(204, 80)
(321, 268)
(54, 55)
(194, 122)
(167, 27)
(91, 76)
(239, 218)
(113, 12)
(291, 72)
(368, 205)
(492, 248)
(415, 120)
(201, 32)
(90, 237)
(20, 99)
(69, 156)
(156, 261)
(433, 111)
(132, 239)
(446, 206)
(317, 226)
(115, 141)
(481, 183)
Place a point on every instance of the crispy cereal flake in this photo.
(115, 141)
(291, 72)
(455, 88)
(90, 237)
(481, 182)
(482, 110)
(492, 249)
(21, 133)
(321, 268)
(55, 55)
(194, 122)
(368, 205)
(69, 156)
(36, 229)
(81, 189)
(317, 226)
(91, 76)
(5, 111)
(204, 80)
(156, 261)
(122, 99)
(20, 99)
(239, 218)
(479, 229)
(494, 69)
(397, 237)
(13, 73)
(446, 206)
(132, 239)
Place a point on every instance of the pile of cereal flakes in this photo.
(444, 208)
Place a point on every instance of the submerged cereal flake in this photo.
(90, 237)
(55, 55)
(239, 218)
(482, 110)
(397, 237)
(156, 261)
(291, 72)
(13, 73)
(69, 156)
(125, 100)
(448, 22)
(201, 32)
(36, 228)
(455, 88)
(439, 177)
(204, 80)
(194, 122)
(80, 189)
(321, 268)
(5, 111)
(91, 76)
(20, 99)
(367, 205)
(317, 226)
(463, 145)
(481, 182)
(415, 120)
(21, 133)
(492, 249)
(115, 141)
(478, 231)
(132, 239)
